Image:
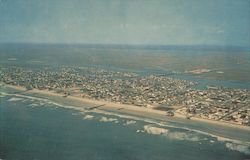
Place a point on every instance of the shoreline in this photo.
(124, 108)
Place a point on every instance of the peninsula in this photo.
(151, 93)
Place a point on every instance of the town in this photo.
(152, 91)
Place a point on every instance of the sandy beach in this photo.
(130, 109)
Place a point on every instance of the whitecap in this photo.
(88, 117)
(14, 99)
(105, 119)
(219, 72)
(33, 105)
(129, 122)
(12, 59)
(171, 135)
(77, 113)
(182, 136)
(154, 130)
(238, 147)
(2, 94)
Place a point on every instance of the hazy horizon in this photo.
(120, 45)
(220, 23)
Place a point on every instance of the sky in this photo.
(154, 22)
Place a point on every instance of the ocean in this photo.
(35, 128)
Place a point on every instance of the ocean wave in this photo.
(12, 59)
(5, 94)
(77, 114)
(170, 135)
(43, 101)
(33, 105)
(2, 94)
(88, 117)
(14, 99)
(211, 141)
(129, 122)
(183, 136)
(105, 119)
(30, 97)
(138, 131)
(238, 147)
(154, 130)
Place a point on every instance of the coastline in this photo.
(220, 130)
(127, 108)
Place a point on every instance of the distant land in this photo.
(136, 46)
(226, 63)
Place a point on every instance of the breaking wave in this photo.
(231, 144)
(14, 99)
(129, 122)
(239, 147)
(88, 117)
(170, 135)
(105, 119)
(154, 130)
(183, 136)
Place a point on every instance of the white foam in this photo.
(12, 59)
(34, 61)
(155, 130)
(171, 135)
(138, 131)
(41, 103)
(238, 147)
(219, 72)
(129, 122)
(105, 119)
(4, 94)
(238, 142)
(88, 117)
(233, 145)
(33, 105)
(14, 99)
(182, 136)
(31, 97)
(77, 114)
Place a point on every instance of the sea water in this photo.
(35, 129)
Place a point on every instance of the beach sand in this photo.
(124, 108)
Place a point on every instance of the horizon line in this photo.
(130, 45)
